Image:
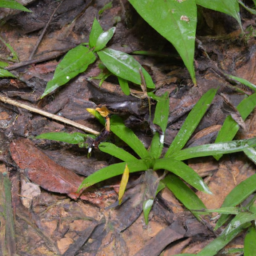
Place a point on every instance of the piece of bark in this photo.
(43, 171)
(166, 236)
(75, 247)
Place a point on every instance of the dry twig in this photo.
(43, 33)
(47, 114)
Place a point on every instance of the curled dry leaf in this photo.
(43, 171)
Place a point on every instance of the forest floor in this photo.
(49, 221)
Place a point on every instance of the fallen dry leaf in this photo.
(43, 171)
(28, 192)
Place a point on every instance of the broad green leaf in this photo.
(237, 196)
(240, 219)
(71, 138)
(117, 152)
(3, 64)
(174, 20)
(162, 112)
(254, 2)
(127, 135)
(249, 242)
(252, 11)
(75, 62)
(191, 122)
(95, 33)
(147, 206)
(221, 241)
(123, 184)
(230, 7)
(184, 194)
(156, 146)
(212, 149)
(112, 171)
(183, 171)
(104, 38)
(13, 5)
(5, 73)
(124, 66)
(124, 85)
(230, 127)
(121, 64)
(244, 81)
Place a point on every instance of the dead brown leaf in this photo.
(43, 171)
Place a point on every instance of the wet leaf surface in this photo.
(103, 39)
(173, 19)
(75, 61)
(124, 66)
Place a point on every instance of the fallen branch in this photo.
(47, 114)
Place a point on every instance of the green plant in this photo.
(176, 20)
(151, 159)
(173, 159)
(13, 5)
(244, 218)
(77, 60)
(71, 138)
(3, 72)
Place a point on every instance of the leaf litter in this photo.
(55, 212)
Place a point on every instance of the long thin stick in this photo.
(42, 59)
(47, 114)
(43, 33)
